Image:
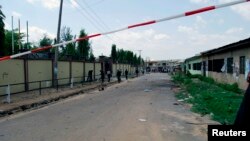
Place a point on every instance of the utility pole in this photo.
(56, 49)
(19, 37)
(27, 44)
(13, 48)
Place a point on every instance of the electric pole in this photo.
(19, 37)
(27, 44)
(57, 41)
(12, 34)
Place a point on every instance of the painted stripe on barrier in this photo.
(41, 49)
(88, 37)
(199, 10)
(5, 58)
(20, 54)
(142, 24)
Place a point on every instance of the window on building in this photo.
(194, 66)
(230, 65)
(210, 65)
(198, 66)
(164, 64)
(189, 66)
(217, 65)
(242, 64)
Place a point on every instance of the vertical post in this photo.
(56, 84)
(52, 71)
(8, 94)
(84, 72)
(40, 87)
(115, 68)
(27, 44)
(70, 70)
(26, 77)
(123, 71)
(19, 41)
(94, 70)
(13, 48)
(71, 83)
(55, 70)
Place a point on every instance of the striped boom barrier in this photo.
(189, 13)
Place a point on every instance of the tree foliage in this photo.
(84, 47)
(45, 41)
(3, 49)
(91, 55)
(69, 49)
(113, 53)
(124, 56)
(8, 41)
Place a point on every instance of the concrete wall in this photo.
(63, 72)
(98, 67)
(12, 71)
(114, 69)
(39, 70)
(77, 71)
(230, 77)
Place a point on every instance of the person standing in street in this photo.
(89, 79)
(109, 75)
(126, 74)
(102, 75)
(137, 72)
(118, 74)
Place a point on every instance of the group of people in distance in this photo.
(109, 74)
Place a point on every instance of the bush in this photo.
(186, 79)
(230, 87)
(189, 74)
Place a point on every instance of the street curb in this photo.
(42, 103)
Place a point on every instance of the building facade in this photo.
(227, 64)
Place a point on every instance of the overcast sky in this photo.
(176, 39)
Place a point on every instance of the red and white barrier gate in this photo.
(189, 13)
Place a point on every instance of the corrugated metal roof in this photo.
(234, 46)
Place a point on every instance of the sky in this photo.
(176, 39)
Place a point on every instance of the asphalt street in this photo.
(140, 109)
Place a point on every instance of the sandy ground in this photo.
(142, 109)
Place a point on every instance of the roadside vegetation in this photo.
(208, 97)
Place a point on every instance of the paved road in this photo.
(123, 112)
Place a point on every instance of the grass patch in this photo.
(207, 97)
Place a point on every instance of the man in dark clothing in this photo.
(102, 75)
(89, 79)
(126, 74)
(137, 72)
(118, 74)
(243, 115)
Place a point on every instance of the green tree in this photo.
(66, 35)
(91, 55)
(8, 41)
(45, 41)
(113, 53)
(3, 49)
(84, 46)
